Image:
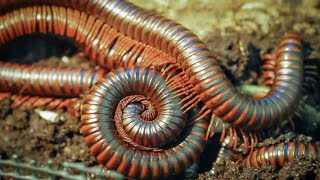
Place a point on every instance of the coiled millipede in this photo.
(148, 143)
(165, 71)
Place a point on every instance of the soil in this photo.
(26, 134)
(238, 34)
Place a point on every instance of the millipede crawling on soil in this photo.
(279, 154)
(116, 34)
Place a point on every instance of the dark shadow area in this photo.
(32, 48)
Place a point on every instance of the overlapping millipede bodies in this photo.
(210, 84)
(205, 74)
(105, 46)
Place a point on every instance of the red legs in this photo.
(50, 103)
(4, 95)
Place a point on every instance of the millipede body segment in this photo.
(105, 46)
(152, 138)
(136, 119)
(203, 71)
(279, 154)
(47, 81)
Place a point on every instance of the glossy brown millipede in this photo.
(45, 19)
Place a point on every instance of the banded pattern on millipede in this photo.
(204, 72)
(47, 81)
(279, 154)
(120, 37)
(104, 45)
(152, 139)
(311, 72)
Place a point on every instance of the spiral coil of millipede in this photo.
(159, 94)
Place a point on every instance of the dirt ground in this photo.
(238, 33)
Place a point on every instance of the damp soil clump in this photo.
(25, 134)
(300, 168)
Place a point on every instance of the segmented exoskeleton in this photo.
(279, 154)
(310, 78)
(46, 81)
(203, 71)
(117, 34)
(133, 123)
(104, 45)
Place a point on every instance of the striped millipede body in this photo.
(288, 52)
(46, 81)
(203, 71)
(46, 87)
(152, 139)
(113, 49)
(118, 34)
(279, 154)
(310, 78)
(104, 45)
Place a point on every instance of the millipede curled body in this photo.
(150, 138)
(112, 49)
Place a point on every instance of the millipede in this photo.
(149, 141)
(47, 81)
(138, 115)
(279, 154)
(205, 74)
(214, 89)
(310, 68)
(104, 45)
